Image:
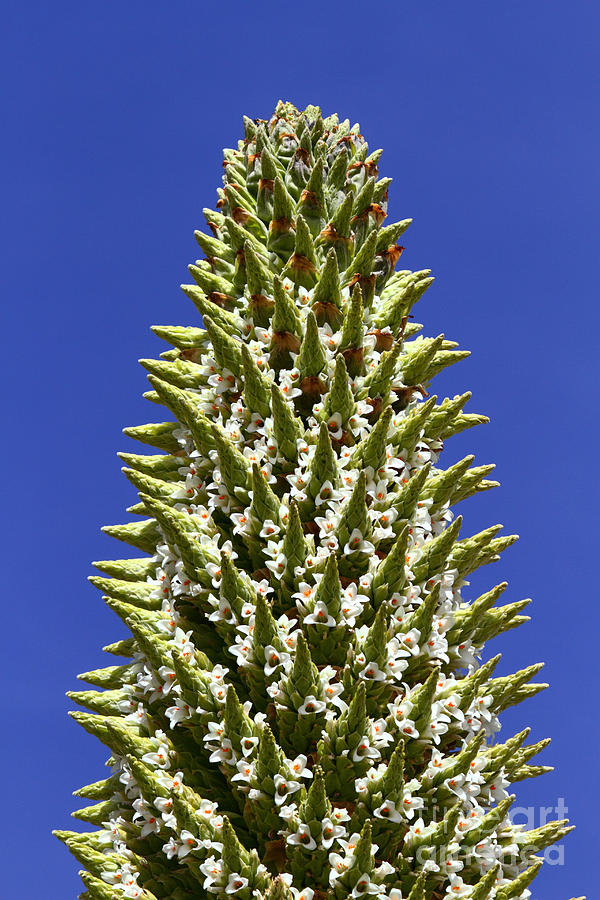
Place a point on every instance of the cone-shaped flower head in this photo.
(301, 708)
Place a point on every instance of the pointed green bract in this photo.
(301, 708)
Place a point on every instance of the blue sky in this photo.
(114, 119)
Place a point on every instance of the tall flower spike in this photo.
(286, 327)
(301, 707)
(312, 199)
(311, 362)
(281, 227)
(256, 387)
(300, 702)
(327, 299)
(351, 344)
(339, 404)
(301, 266)
(323, 470)
(286, 427)
(337, 233)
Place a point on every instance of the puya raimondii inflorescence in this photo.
(302, 708)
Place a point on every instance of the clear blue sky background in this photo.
(114, 115)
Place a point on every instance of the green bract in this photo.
(302, 710)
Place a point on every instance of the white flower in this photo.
(359, 425)
(249, 744)
(298, 481)
(164, 805)
(187, 489)
(327, 523)
(257, 426)
(274, 690)
(277, 565)
(363, 886)
(222, 382)
(304, 594)
(451, 865)
(418, 830)
(320, 616)
(216, 730)
(288, 383)
(304, 894)
(245, 771)
(213, 869)
(302, 838)
(242, 650)
(400, 712)
(170, 849)
(455, 784)
(383, 533)
(372, 672)
(150, 823)
(364, 750)
(288, 813)
(328, 494)
(126, 878)
(240, 521)
(452, 706)
(262, 587)
(299, 768)
(218, 673)
(481, 706)
(334, 424)
(497, 787)
(436, 764)
(219, 691)
(274, 658)
(437, 726)
(409, 641)
(466, 823)
(410, 803)
(225, 753)
(388, 811)
(178, 713)
(350, 845)
(223, 612)
(284, 787)
(171, 782)
(339, 865)
(214, 571)
(207, 809)
(332, 694)
(380, 492)
(383, 870)
(312, 705)
(269, 529)
(138, 715)
(330, 833)
(379, 734)
(236, 883)
(457, 887)
(466, 654)
(356, 543)
(188, 843)
(436, 647)
(158, 759)
(340, 814)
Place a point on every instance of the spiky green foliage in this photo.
(302, 708)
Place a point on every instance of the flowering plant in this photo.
(303, 710)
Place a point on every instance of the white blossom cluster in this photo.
(200, 493)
